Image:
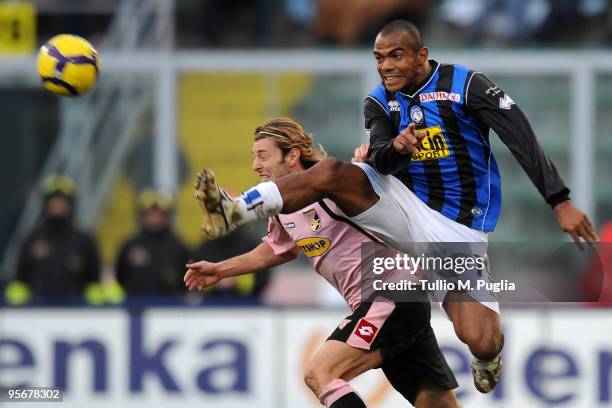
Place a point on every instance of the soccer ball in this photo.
(68, 65)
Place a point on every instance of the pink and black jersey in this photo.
(330, 241)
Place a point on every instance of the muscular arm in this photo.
(497, 111)
(260, 258)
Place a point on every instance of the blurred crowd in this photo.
(60, 264)
(311, 23)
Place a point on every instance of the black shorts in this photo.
(403, 333)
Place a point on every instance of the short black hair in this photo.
(407, 27)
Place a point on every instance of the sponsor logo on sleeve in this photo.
(493, 91)
(506, 102)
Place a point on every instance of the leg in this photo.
(420, 373)
(479, 327)
(335, 364)
(475, 324)
(345, 184)
(350, 350)
(430, 395)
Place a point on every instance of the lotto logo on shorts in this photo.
(366, 330)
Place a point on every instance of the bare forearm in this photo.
(260, 258)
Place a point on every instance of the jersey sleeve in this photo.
(278, 239)
(496, 109)
(381, 154)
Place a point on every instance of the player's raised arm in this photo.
(497, 110)
(203, 274)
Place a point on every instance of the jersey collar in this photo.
(435, 65)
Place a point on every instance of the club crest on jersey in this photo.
(416, 114)
(314, 220)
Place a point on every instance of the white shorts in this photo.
(401, 219)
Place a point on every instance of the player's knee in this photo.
(433, 396)
(485, 343)
(316, 378)
(431, 400)
(311, 381)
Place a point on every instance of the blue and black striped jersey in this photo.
(455, 171)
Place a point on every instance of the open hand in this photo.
(201, 275)
(576, 223)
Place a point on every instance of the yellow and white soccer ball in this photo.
(68, 65)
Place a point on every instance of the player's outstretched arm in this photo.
(497, 110)
(203, 274)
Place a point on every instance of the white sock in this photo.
(260, 202)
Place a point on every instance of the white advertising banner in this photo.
(238, 357)
(157, 358)
(551, 358)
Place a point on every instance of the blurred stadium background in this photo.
(183, 84)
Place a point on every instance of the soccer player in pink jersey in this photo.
(395, 336)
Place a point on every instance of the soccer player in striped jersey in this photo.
(395, 336)
(453, 169)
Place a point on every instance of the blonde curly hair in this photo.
(288, 134)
